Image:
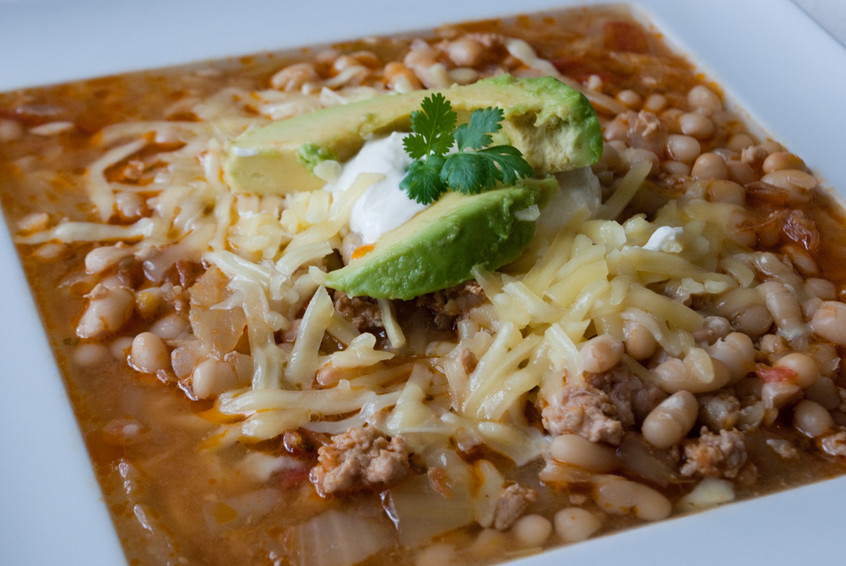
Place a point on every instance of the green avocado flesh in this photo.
(439, 247)
(553, 125)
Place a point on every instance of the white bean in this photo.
(639, 341)
(668, 423)
(119, 348)
(465, 52)
(169, 326)
(829, 322)
(740, 172)
(102, 258)
(487, 545)
(754, 321)
(676, 168)
(34, 221)
(532, 530)
(212, 377)
(740, 141)
(574, 524)
(812, 419)
(704, 100)
(655, 102)
(709, 166)
(707, 493)
(620, 496)
(683, 148)
(713, 328)
(784, 308)
(790, 179)
(723, 190)
(91, 355)
(777, 394)
(805, 368)
(423, 60)
(463, 75)
(629, 98)
(745, 308)
(822, 288)
(697, 373)
(737, 352)
(782, 160)
(600, 353)
(148, 353)
(696, 125)
(801, 260)
(579, 451)
(107, 311)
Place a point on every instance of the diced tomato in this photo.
(770, 374)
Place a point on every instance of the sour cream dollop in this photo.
(666, 239)
(383, 206)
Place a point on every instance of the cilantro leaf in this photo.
(509, 161)
(478, 171)
(432, 125)
(466, 173)
(475, 134)
(474, 168)
(423, 180)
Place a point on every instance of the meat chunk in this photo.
(584, 410)
(632, 398)
(511, 503)
(604, 407)
(450, 304)
(720, 411)
(362, 312)
(360, 458)
(715, 455)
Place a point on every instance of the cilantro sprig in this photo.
(473, 169)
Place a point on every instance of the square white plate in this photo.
(770, 58)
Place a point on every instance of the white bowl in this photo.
(770, 58)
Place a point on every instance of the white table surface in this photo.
(830, 14)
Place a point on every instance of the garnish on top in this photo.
(552, 125)
(473, 169)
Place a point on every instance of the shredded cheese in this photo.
(584, 272)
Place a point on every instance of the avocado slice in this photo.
(553, 125)
(439, 246)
